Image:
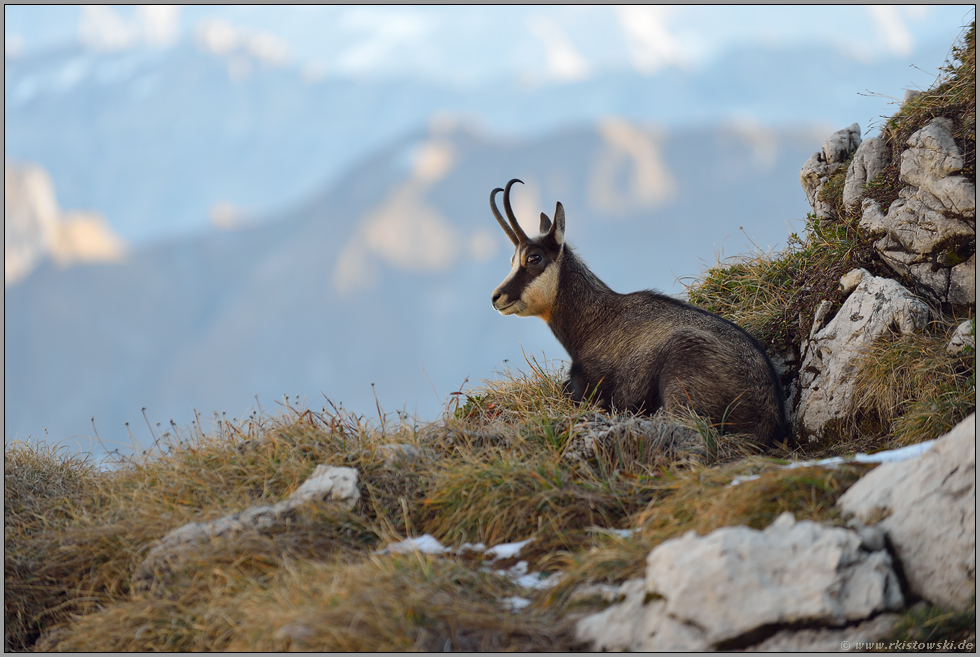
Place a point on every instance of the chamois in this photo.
(640, 351)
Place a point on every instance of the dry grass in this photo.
(773, 295)
(511, 460)
(495, 469)
(911, 388)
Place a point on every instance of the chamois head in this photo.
(532, 283)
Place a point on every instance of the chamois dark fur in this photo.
(639, 351)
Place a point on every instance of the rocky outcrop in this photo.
(737, 587)
(34, 227)
(326, 484)
(929, 232)
(825, 163)
(927, 508)
(870, 159)
(829, 362)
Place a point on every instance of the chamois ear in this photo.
(545, 223)
(558, 229)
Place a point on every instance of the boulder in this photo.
(870, 159)
(926, 506)
(964, 340)
(928, 233)
(831, 355)
(737, 587)
(326, 484)
(963, 283)
(825, 163)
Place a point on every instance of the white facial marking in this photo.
(539, 296)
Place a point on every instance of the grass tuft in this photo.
(910, 388)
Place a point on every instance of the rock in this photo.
(852, 279)
(930, 162)
(963, 283)
(927, 508)
(818, 169)
(840, 145)
(821, 313)
(621, 626)
(928, 231)
(327, 484)
(870, 159)
(831, 356)
(963, 337)
(736, 586)
(830, 639)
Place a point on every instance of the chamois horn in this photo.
(510, 211)
(500, 219)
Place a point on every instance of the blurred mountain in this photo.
(34, 227)
(382, 276)
(166, 142)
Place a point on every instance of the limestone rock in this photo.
(851, 280)
(930, 228)
(830, 360)
(962, 339)
(963, 283)
(870, 159)
(830, 639)
(726, 589)
(327, 483)
(927, 508)
(825, 163)
(930, 161)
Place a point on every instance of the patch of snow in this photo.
(425, 544)
(471, 547)
(739, 480)
(623, 533)
(507, 550)
(515, 603)
(885, 456)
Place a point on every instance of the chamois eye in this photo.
(533, 259)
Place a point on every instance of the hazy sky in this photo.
(466, 43)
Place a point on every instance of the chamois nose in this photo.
(496, 296)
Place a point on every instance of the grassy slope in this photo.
(494, 469)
